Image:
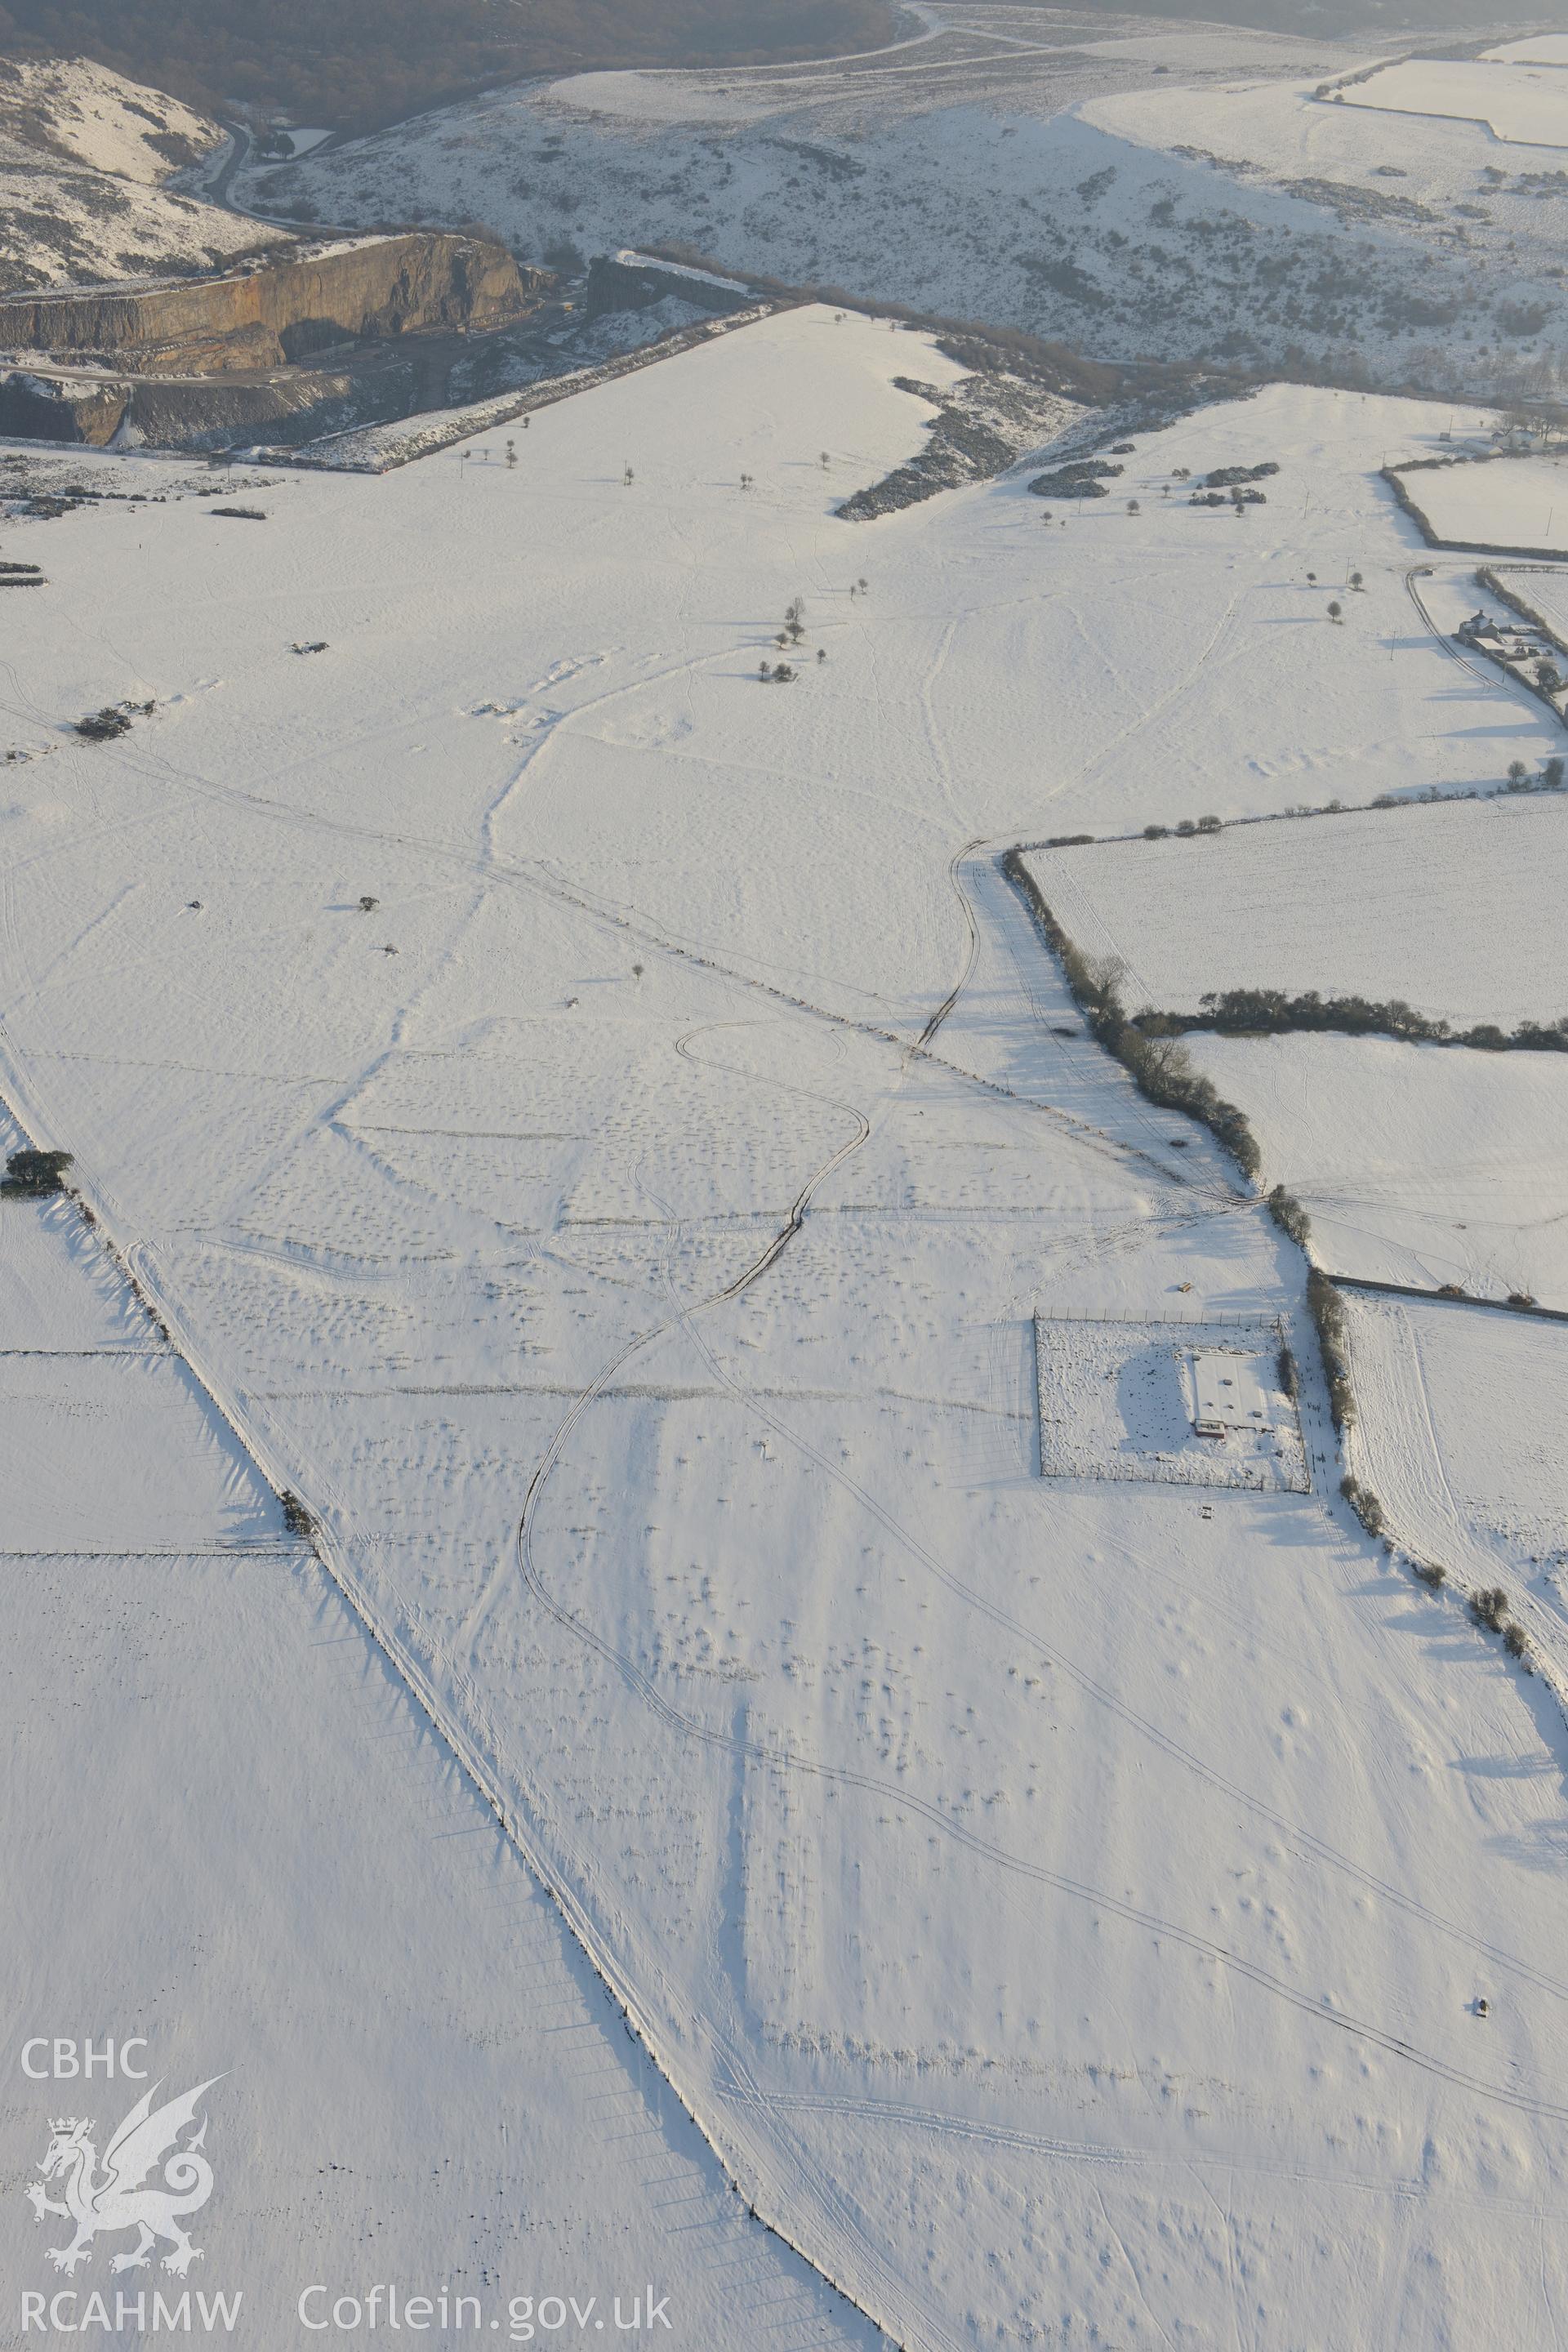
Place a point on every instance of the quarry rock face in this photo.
(275, 313)
(44, 408)
(193, 413)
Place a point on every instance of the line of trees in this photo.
(1269, 1012)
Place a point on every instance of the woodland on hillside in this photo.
(353, 64)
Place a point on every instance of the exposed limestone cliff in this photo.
(270, 314)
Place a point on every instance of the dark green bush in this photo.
(1290, 1215)
(102, 726)
(35, 1174)
(297, 1518)
(1363, 1503)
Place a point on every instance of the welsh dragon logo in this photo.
(147, 2141)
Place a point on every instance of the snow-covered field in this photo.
(228, 1831)
(1502, 502)
(1544, 588)
(1515, 101)
(1420, 1164)
(84, 154)
(1062, 1901)
(1536, 48)
(1458, 1435)
(1449, 906)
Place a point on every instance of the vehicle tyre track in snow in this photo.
(1146, 715)
(961, 983)
(793, 1223)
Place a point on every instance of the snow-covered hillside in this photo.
(1466, 288)
(598, 1123)
(92, 120)
(1134, 187)
(84, 155)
